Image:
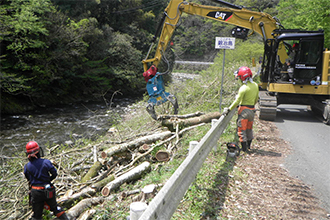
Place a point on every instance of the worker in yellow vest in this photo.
(246, 98)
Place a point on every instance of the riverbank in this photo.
(254, 186)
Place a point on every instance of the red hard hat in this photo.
(32, 147)
(244, 72)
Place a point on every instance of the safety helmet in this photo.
(32, 148)
(243, 73)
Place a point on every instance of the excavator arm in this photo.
(304, 83)
(259, 22)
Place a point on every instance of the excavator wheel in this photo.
(267, 106)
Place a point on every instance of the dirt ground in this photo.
(269, 192)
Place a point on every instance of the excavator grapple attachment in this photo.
(158, 96)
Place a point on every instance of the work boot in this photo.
(249, 144)
(63, 217)
(244, 146)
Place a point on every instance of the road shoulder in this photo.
(268, 191)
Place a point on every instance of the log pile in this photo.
(92, 175)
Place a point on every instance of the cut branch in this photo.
(136, 143)
(92, 172)
(172, 122)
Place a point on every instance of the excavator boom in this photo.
(302, 78)
(258, 22)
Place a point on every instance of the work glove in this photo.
(225, 111)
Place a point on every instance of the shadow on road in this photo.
(295, 113)
(264, 153)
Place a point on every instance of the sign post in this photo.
(224, 43)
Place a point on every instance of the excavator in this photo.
(295, 68)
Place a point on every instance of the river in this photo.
(59, 125)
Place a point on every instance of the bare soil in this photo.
(268, 191)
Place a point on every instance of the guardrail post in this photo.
(168, 198)
(192, 145)
(137, 209)
(213, 124)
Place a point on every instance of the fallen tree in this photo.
(75, 185)
(75, 211)
(136, 143)
(173, 122)
(92, 172)
(131, 175)
(88, 191)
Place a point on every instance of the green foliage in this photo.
(57, 51)
(244, 51)
(259, 5)
(194, 38)
(306, 14)
(204, 92)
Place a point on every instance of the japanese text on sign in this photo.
(224, 43)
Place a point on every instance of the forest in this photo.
(62, 51)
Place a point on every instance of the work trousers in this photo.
(38, 201)
(245, 123)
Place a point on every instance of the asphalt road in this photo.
(310, 140)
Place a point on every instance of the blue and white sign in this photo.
(224, 43)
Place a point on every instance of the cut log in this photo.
(144, 148)
(86, 192)
(172, 122)
(149, 191)
(129, 176)
(76, 210)
(136, 143)
(93, 171)
(87, 214)
(162, 155)
(162, 117)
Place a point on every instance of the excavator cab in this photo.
(303, 64)
(297, 76)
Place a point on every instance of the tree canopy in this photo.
(58, 51)
(306, 15)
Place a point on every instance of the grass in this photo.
(206, 196)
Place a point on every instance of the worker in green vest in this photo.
(246, 98)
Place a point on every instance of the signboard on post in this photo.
(224, 43)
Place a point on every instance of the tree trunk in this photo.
(136, 143)
(76, 210)
(171, 123)
(87, 214)
(86, 192)
(131, 175)
(92, 172)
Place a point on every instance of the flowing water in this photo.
(58, 125)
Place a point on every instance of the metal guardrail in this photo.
(167, 199)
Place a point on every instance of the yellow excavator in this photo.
(295, 67)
